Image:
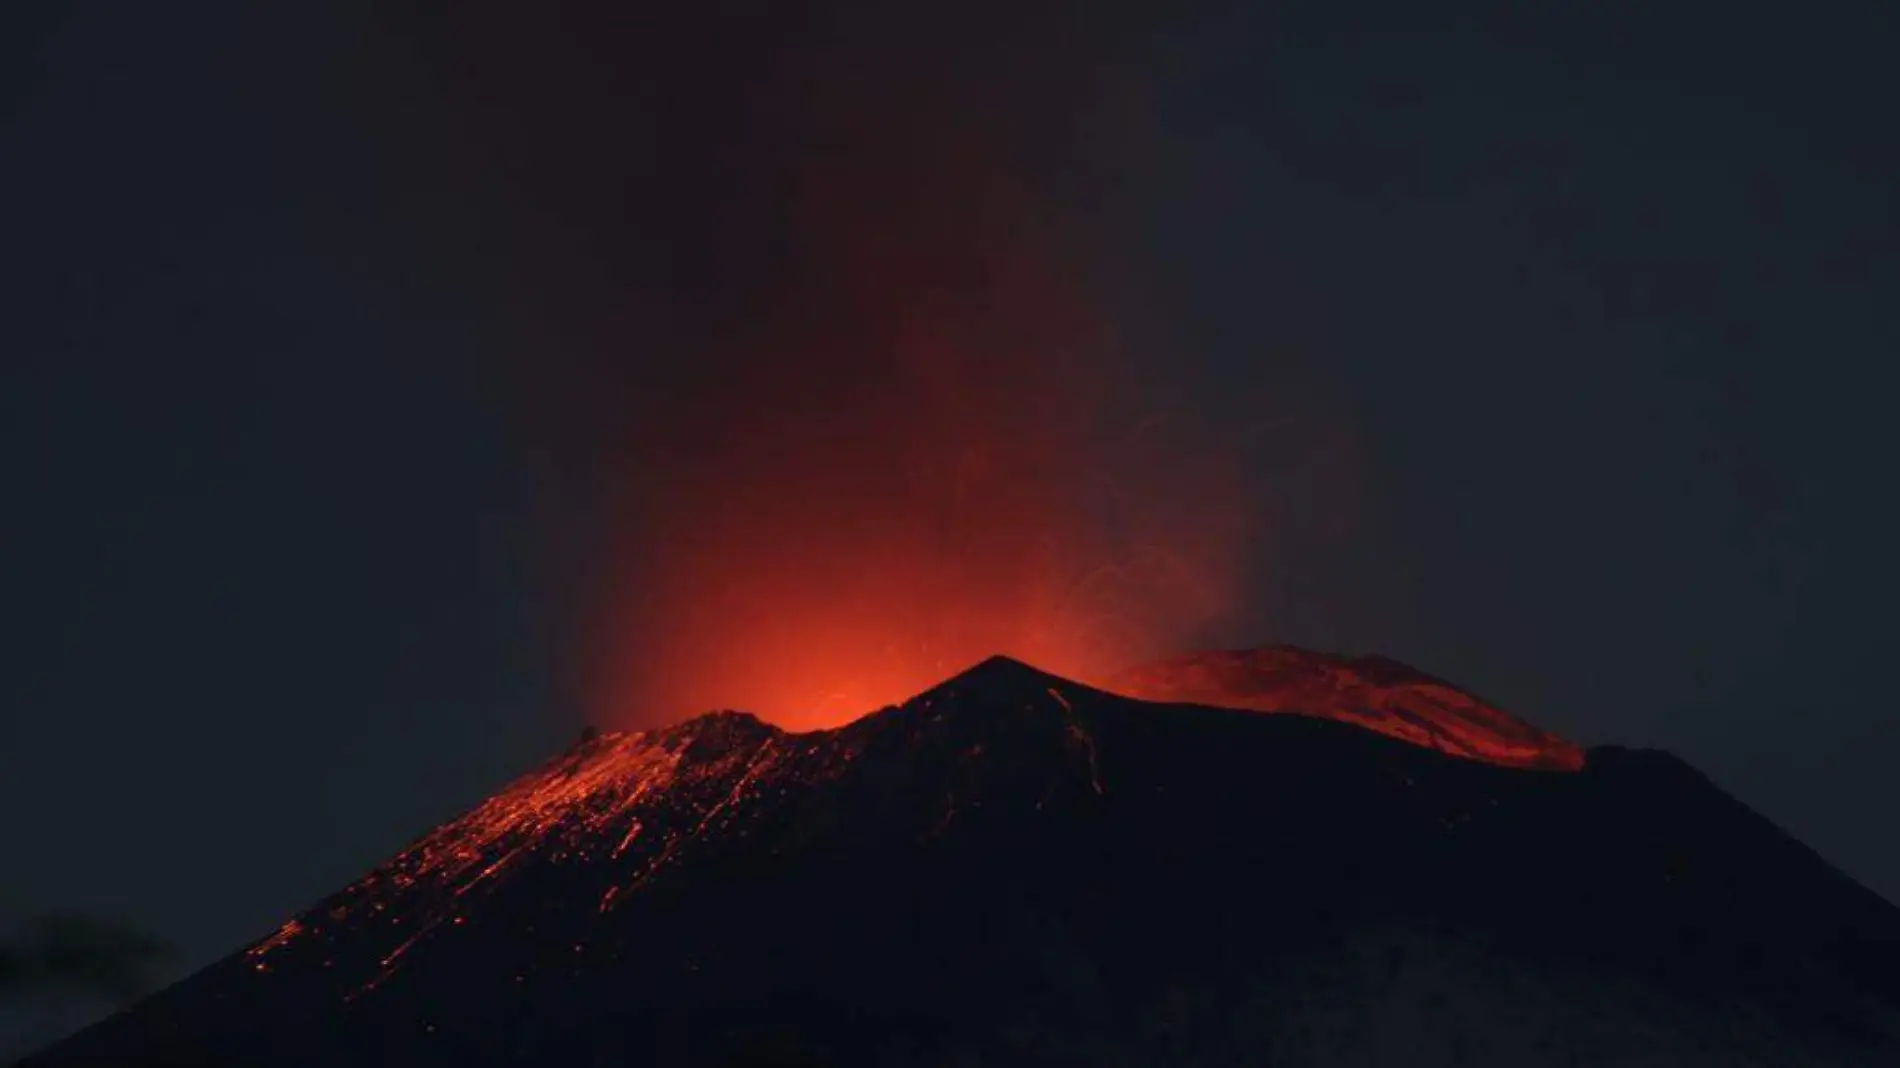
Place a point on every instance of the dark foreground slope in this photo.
(1013, 869)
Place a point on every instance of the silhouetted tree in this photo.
(67, 950)
(57, 969)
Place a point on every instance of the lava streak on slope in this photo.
(1372, 692)
(627, 806)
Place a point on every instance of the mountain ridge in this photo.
(1012, 843)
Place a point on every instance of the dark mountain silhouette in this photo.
(1017, 869)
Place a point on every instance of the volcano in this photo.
(1016, 869)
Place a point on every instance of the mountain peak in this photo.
(716, 736)
(998, 674)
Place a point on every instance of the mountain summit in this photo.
(1013, 868)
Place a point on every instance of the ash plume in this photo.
(852, 382)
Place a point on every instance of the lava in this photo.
(290, 930)
(1372, 692)
(592, 806)
(1081, 736)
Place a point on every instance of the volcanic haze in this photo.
(913, 442)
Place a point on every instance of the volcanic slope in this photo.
(1371, 691)
(1014, 869)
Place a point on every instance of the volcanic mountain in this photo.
(1016, 869)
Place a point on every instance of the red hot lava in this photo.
(1371, 692)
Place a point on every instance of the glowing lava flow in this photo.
(1081, 737)
(1372, 692)
(633, 803)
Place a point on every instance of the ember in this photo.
(586, 808)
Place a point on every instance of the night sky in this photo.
(385, 394)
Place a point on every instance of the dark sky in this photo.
(333, 341)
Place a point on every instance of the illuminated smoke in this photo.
(938, 453)
(879, 416)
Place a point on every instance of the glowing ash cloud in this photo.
(873, 403)
(928, 449)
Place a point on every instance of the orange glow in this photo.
(583, 808)
(1371, 692)
(928, 450)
